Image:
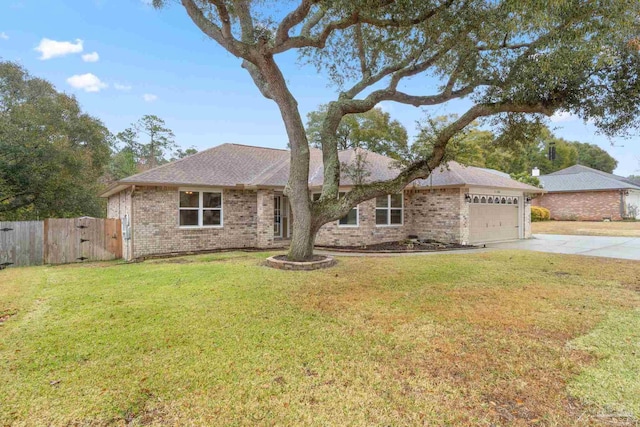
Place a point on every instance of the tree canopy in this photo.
(509, 59)
(51, 153)
(149, 140)
(483, 148)
(373, 130)
(595, 157)
(146, 144)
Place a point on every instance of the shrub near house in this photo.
(539, 213)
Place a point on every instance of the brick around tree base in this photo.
(283, 264)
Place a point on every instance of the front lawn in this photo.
(517, 338)
(588, 228)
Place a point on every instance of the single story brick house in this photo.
(582, 193)
(231, 196)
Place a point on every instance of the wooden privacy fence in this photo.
(21, 243)
(59, 241)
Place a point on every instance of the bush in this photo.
(540, 214)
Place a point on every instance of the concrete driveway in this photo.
(608, 247)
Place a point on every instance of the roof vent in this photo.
(535, 171)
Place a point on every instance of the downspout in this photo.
(623, 210)
(133, 189)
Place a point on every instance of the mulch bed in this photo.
(413, 245)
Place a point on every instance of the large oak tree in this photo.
(508, 58)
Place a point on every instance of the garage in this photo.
(493, 218)
(633, 204)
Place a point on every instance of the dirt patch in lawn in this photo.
(7, 314)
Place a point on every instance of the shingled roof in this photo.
(236, 165)
(583, 178)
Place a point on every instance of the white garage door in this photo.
(633, 203)
(493, 218)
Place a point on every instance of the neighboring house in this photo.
(582, 193)
(231, 196)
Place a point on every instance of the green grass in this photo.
(222, 340)
(614, 383)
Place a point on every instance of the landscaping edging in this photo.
(283, 264)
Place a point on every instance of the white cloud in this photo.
(87, 82)
(562, 116)
(119, 86)
(4, 36)
(51, 48)
(91, 57)
(149, 97)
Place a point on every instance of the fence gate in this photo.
(81, 239)
(21, 243)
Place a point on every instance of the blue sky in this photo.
(158, 62)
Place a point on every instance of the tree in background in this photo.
(51, 153)
(373, 130)
(124, 163)
(594, 157)
(181, 154)
(142, 146)
(510, 152)
(512, 60)
(148, 140)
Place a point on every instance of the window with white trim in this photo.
(200, 208)
(390, 209)
(350, 219)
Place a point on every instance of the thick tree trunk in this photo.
(273, 85)
(302, 239)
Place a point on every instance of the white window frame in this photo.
(389, 209)
(356, 207)
(200, 208)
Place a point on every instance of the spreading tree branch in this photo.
(294, 18)
(329, 209)
(223, 36)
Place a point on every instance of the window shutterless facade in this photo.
(390, 209)
(198, 208)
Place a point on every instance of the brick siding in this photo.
(583, 206)
(440, 214)
(527, 221)
(156, 230)
(264, 228)
(366, 233)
